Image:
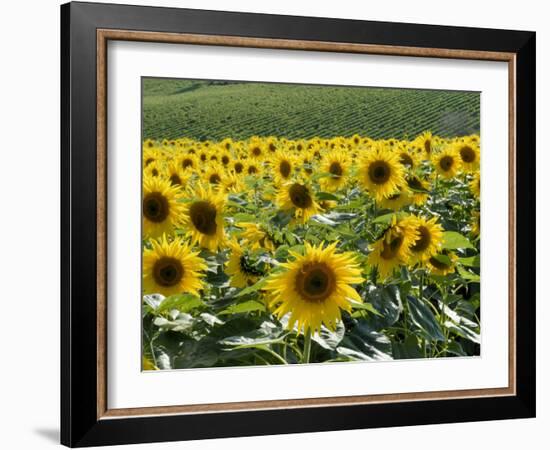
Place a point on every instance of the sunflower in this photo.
(442, 264)
(393, 249)
(256, 149)
(160, 207)
(469, 155)
(475, 185)
(298, 197)
(204, 217)
(396, 201)
(381, 173)
(283, 165)
(150, 153)
(176, 175)
(154, 169)
(337, 164)
(314, 287)
(254, 168)
(418, 188)
(188, 162)
(214, 175)
(446, 162)
(242, 271)
(256, 236)
(171, 268)
(426, 143)
(408, 158)
(430, 238)
(238, 166)
(225, 158)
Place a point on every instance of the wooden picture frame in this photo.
(85, 417)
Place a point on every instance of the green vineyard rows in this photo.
(216, 109)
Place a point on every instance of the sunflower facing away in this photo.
(430, 238)
(160, 207)
(393, 249)
(381, 173)
(171, 268)
(397, 201)
(475, 185)
(442, 264)
(298, 197)
(242, 271)
(314, 287)
(204, 217)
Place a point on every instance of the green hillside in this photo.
(218, 109)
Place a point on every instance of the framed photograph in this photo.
(277, 224)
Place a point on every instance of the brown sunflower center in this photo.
(238, 167)
(203, 217)
(446, 163)
(225, 160)
(391, 249)
(252, 170)
(438, 264)
(175, 179)
(379, 172)
(285, 168)
(187, 162)
(423, 241)
(414, 183)
(406, 159)
(467, 154)
(315, 282)
(149, 161)
(214, 178)
(155, 172)
(300, 196)
(272, 147)
(256, 151)
(168, 271)
(336, 169)
(155, 207)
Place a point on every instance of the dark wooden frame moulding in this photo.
(85, 417)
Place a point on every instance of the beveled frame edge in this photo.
(103, 36)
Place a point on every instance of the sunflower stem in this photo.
(307, 346)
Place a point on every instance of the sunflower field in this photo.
(270, 250)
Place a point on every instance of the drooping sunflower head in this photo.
(393, 249)
(298, 196)
(171, 268)
(469, 155)
(241, 268)
(283, 166)
(204, 217)
(161, 210)
(397, 201)
(419, 189)
(429, 238)
(381, 173)
(336, 163)
(315, 287)
(446, 162)
(442, 263)
(256, 235)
